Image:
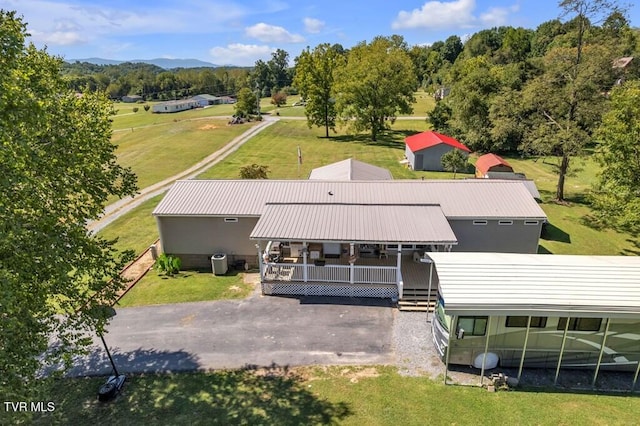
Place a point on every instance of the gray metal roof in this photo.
(479, 198)
(530, 184)
(350, 169)
(355, 223)
(539, 284)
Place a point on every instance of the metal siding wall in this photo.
(516, 238)
(432, 157)
(207, 235)
(410, 156)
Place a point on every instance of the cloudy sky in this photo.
(241, 31)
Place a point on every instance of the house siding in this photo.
(195, 239)
(410, 156)
(492, 237)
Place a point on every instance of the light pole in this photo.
(258, 98)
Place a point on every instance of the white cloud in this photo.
(451, 15)
(272, 34)
(312, 25)
(60, 38)
(240, 54)
(44, 18)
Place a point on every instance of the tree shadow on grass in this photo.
(389, 139)
(250, 395)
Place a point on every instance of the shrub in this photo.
(168, 264)
(146, 107)
(136, 109)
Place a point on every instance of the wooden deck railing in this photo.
(330, 273)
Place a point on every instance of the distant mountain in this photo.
(159, 62)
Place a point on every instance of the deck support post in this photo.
(454, 321)
(305, 272)
(604, 341)
(524, 347)
(399, 264)
(564, 340)
(429, 287)
(486, 349)
(352, 261)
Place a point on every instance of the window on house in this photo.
(392, 246)
(407, 246)
(479, 222)
(473, 326)
(521, 321)
(230, 219)
(531, 222)
(580, 324)
(505, 222)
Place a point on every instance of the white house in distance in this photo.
(175, 106)
(344, 238)
(424, 150)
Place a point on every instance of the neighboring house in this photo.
(206, 100)
(350, 169)
(132, 98)
(491, 163)
(228, 100)
(625, 67)
(344, 238)
(175, 106)
(441, 93)
(424, 151)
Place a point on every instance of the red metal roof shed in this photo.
(487, 161)
(430, 138)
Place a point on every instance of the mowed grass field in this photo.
(344, 395)
(276, 147)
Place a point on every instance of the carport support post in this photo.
(604, 341)
(305, 275)
(260, 264)
(429, 288)
(635, 378)
(486, 349)
(524, 347)
(454, 320)
(564, 340)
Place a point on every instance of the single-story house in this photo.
(206, 100)
(350, 169)
(175, 106)
(491, 163)
(132, 98)
(343, 237)
(424, 150)
(228, 100)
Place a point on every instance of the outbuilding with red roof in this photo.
(491, 163)
(424, 150)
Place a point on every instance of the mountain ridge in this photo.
(165, 63)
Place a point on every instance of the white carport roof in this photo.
(539, 285)
(354, 223)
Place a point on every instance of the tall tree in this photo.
(247, 102)
(58, 170)
(376, 84)
(568, 96)
(617, 194)
(314, 79)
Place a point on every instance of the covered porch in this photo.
(345, 250)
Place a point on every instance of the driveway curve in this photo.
(258, 331)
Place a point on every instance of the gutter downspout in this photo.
(454, 321)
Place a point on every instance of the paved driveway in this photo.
(255, 331)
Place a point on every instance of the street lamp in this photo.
(114, 383)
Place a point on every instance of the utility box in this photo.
(219, 264)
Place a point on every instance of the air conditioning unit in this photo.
(219, 264)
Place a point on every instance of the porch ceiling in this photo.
(425, 224)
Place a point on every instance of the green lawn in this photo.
(186, 286)
(125, 119)
(135, 230)
(330, 395)
(158, 152)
